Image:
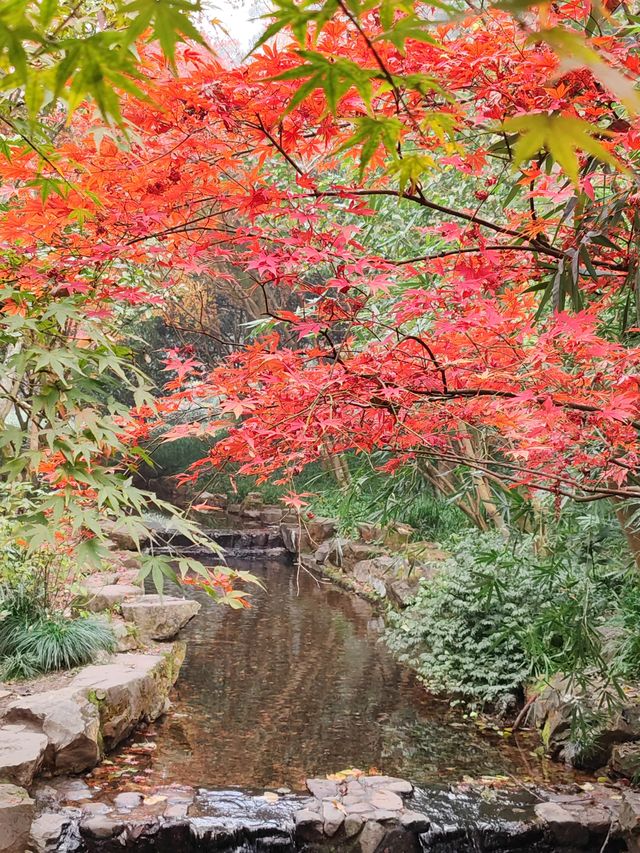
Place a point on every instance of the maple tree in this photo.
(507, 347)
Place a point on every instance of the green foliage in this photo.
(463, 631)
(382, 498)
(174, 457)
(59, 51)
(499, 614)
(34, 641)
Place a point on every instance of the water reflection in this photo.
(300, 686)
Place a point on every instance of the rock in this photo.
(566, 828)
(176, 811)
(99, 580)
(213, 499)
(378, 573)
(309, 825)
(159, 617)
(352, 825)
(386, 800)
(126, 635)
(322, 788)
(101, 826)
(127, 559)
(320, 529)
(128, 800)
(361, 807)
(389, 783)
(402, 590)
(414, 821)
(322, 553)
(332, 818)
(271, 515)
(629, 819)
(128, 577)
(369, 532)
(425, 552)
(46, 831)
(21, 754)
(553, 712)
(127, 534)
(371, 837)
(294, 537)
(384, 815)
(252, 501)
(625, 760)
(16, 815)
(74, 791)
(234, 509)
(69, 723)
(131, 689)
(112, 596)
(345, 553)
(397, 534)
(95, 808)
(252, 514)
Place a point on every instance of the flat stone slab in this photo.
(129, 690)
(112, 596)
(69, 724)
(159, 617)
(362, 808)
(67, 730)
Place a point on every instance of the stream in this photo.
(301, 685)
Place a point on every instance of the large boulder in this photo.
(70, 724)
(21, 754)
(16, 815)
(159, 617)
(111, 596)
(133, 688)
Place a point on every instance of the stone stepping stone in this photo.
(159, 617)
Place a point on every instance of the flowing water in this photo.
(300, 685)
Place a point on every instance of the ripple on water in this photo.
(301, 686)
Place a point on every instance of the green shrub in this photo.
(499, 614)
(56, 643)
(463, 632)
(34, 641)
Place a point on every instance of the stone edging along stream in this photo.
(65, 725)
